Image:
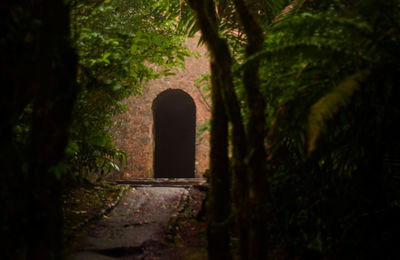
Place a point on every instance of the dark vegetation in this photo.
(305, 96)
(305, 104)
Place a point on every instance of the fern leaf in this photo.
(271, 9)
(327, 106)
(293, 5)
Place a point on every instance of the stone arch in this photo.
(174, 131)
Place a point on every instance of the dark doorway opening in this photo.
(174, 115)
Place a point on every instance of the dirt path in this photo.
(139, 220)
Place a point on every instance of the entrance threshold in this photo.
(164, 182)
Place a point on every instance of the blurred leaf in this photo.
(327, 106)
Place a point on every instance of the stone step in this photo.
(164, 182)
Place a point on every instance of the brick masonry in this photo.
(134, 132)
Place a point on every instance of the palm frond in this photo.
(271, 9)
(327, 106)
(292, 6)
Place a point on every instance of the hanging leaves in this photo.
(328, 106)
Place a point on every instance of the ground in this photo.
(83, 206)
(149, 222)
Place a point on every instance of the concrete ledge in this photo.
(164, 182)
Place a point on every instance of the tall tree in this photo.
(256, 130)
(326, 72)
(38, 68)
(222, 87)
(250, 187)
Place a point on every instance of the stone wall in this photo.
(134, 134)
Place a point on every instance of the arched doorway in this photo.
(174, 115)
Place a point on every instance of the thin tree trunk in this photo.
(258, 185)
(221, 70)
(219, 206)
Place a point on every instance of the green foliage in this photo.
(329, 77)
(121, 46)
(269, 10)
(327, 106)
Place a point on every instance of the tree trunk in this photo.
(219, 206)
(221, 70)
(259, 190)
(38, 68)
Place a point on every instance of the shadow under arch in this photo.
(174, 117)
